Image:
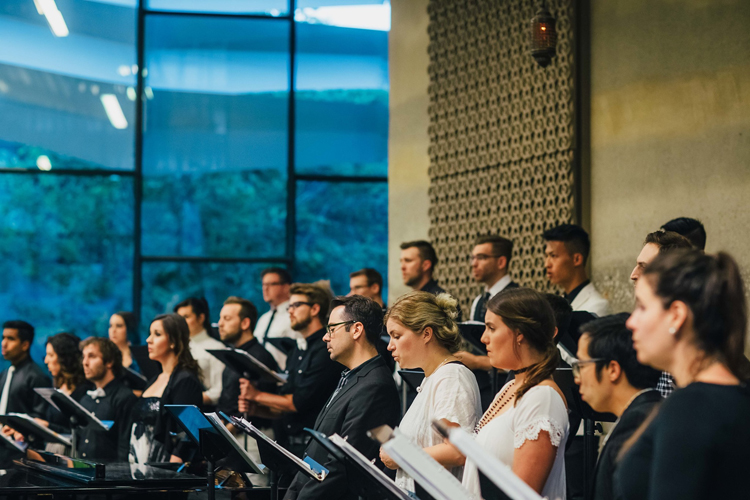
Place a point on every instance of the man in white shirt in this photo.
(565, 258)
(275, 323)
(195, 312)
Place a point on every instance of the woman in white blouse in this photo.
(424, 334)
(526, 425)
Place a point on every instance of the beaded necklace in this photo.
(495, 407)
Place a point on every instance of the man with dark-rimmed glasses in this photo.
(365, 397)
(312, 376)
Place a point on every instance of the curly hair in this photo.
(67, 348)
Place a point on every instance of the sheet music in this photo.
(308, 467)
(219, 426)
(47, 394)
(495, 470)
(41, 430)
(18, 445)
(434, 478)
(354, 454)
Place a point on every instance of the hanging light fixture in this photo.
(543, 37)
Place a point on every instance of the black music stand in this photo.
(32, 430)
(77, 415)
(215, 443)
(368, 479)
(278, 460)
(246, 365)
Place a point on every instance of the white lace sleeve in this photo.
(531, 432)
(540, 409)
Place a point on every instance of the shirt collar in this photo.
(570, 297)
(247, 345)
(198, 337)
(347, 374)
(499, 286)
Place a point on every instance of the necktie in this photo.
(96, 393)
(481, 309)
(6, 391)
(268, 328)
(338, 388)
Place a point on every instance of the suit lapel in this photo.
(347, 387)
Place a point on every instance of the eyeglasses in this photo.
(482, 256)
(295, 305)
(331, 327)
(576, 365)
(269, 285)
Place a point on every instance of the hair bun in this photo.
(448, 304)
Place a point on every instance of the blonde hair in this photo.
(419, 310)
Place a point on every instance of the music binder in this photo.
(134, 380)
(504, 483)
(245, 364)
(472, 332)
(78, 415)
(413, 378)
(32, 429)
(275, 456)
(436, 480)
(367, 479)
(12, 444)
(283, 344)
(149, 368)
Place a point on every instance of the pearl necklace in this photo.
(495, 407)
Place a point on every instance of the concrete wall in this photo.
(670, 128)
(408, 161)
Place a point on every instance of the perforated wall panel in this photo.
(501, 135)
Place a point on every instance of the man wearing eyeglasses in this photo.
(274, 323)
(365, 398)
(612, 380)
(312, 376)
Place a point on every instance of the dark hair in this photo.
(25, 330)
(692, 229)
(426, 250)
(711, 286)
(362, 310)
(526, 311)
(373, 277)
(178, 332)
(501, 247)
(667, 240)
(610, 340)
(247, 309)
(131, 326)
(68, 351)
(110, 352)
(575, 238)
(283, 274)
(315, 294)
(562, 312)
(199, 306)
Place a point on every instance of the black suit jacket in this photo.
(22, 398)
(368, 400)
(631, 419)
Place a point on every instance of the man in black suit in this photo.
(17, 383)
(613, 381)
(366, 396)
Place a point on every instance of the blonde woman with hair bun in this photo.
(424, 334)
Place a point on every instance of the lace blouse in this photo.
(451, 392)
(540, 409)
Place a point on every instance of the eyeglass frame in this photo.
(295, 305)
(331, 327)
(575, 366)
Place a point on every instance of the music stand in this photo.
(278, 460)
(32, 430)
(77, 415)
(215, 443)
(367, 479)
(149, 368)
(246, 365)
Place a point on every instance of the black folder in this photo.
(246, 365)
(134, 380)
(472, 333)
(283, 344)
(32, 430)
(149, 368)
(72, 409)
(413, 378)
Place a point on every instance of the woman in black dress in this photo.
(690, 320)
(152, 435)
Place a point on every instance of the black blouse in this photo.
(697, 447)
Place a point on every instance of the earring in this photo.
(172, 346)
(673, 330)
